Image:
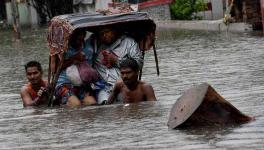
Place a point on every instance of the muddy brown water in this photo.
(231, 62)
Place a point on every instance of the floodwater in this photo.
(231, 62)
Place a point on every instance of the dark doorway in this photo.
(2, 10)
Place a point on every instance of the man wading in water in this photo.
(35, 92)
(130, 89)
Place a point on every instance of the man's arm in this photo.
(26, 98)
(149, 92)
(114, 94)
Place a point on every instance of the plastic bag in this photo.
(81, 73)
(73, 75)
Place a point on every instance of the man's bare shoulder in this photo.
(24, 88)
(119, 84)
(148, 91)
(145, 85)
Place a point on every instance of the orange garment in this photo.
(32, 92)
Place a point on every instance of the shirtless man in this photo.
(34, 93)
(130, 89)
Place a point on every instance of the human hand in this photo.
(41, 91)
(109, 59)
(42, 96)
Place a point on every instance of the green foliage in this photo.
(200, 5)
(187, 9)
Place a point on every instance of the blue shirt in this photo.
(88, 51)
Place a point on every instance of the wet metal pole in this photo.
(156, 59)
(15, 15)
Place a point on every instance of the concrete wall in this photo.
(248, 11)
(262, 13)
(161, 12)
(206, 25)
(88, 7)
(27, 14)
(217, 11)
(102, 4)
(83, 6)
(33, 16)
(252, 10)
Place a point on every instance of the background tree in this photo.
(187, 9)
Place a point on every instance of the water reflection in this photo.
(231, 63)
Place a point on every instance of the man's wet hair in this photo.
(33, 64)
(129, 63)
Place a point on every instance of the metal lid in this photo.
(186, 105)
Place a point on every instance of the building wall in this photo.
(82, 6)
(160, 12)
(27, 14)
(215, 12)
(262, 13)
(217, 9)
(2, 10)
(252, 11)
(248, 11)
(102, 4)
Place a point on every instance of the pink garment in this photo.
(87, 73)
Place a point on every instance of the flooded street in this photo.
(232, 63)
